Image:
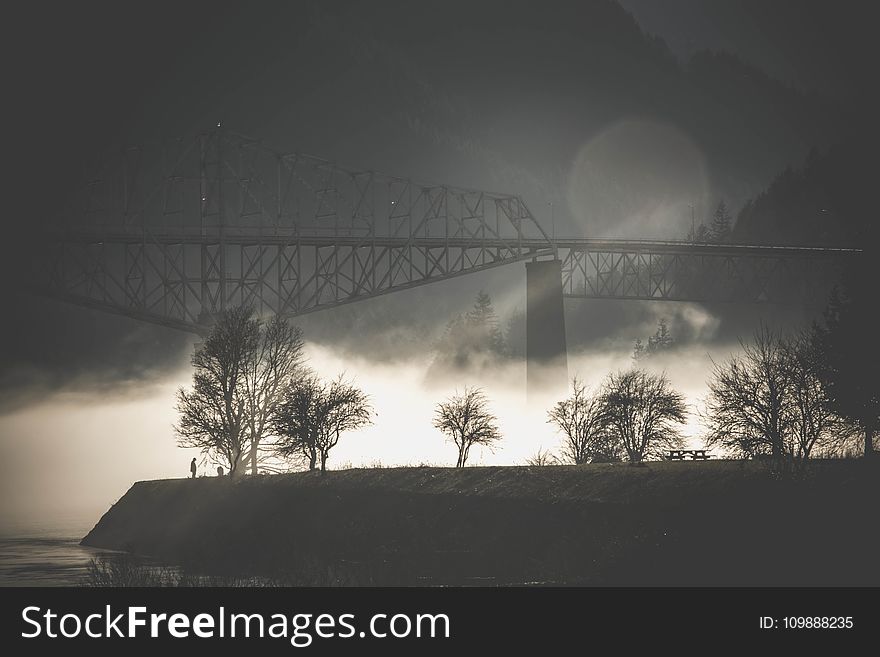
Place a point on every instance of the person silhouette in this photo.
(192, 467)
(219, 470)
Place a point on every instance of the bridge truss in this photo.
(177, 234)
(684, 271)
(174, 233)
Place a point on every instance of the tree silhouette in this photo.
(582, 421)
(771, 401)
(745, 409)
(642, 409)
(297, 420)
(815, 426)
(638, 350)
(313, 417)
(239, 373)
(467, 421)
(846, 344)
(828, 200)
(346, 408)
(720, 230)
(483, 320)
(515, 334)
(541, 458)
(473, 340)
(662, 340)
(277, 359)
(699, 234)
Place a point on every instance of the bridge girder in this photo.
(700, 273)
(184, 285)
(173, 234)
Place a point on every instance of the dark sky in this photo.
(510, 96)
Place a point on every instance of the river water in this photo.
(44, 550)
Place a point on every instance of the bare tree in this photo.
(642, 409)
(345, 408)
(314, 415)
(467, 421)
(582, 421)
(541, 458)
(296, 421)
(213, 412)
(276, 360)
(771, 401)
(746, 406)
(239, 373)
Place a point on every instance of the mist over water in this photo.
(74, 454)
(67, 456)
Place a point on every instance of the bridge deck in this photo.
(282, 236)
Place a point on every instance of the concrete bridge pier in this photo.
(546, 360)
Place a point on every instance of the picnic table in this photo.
(682, 454)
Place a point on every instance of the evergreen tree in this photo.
(452, 350)
(698, 235)
(483, 322)
(662, 340)
(846, 342)
(472, 340)
(721, 224)
(638, 350)
(515, 335)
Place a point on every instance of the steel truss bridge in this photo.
(173, 233)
